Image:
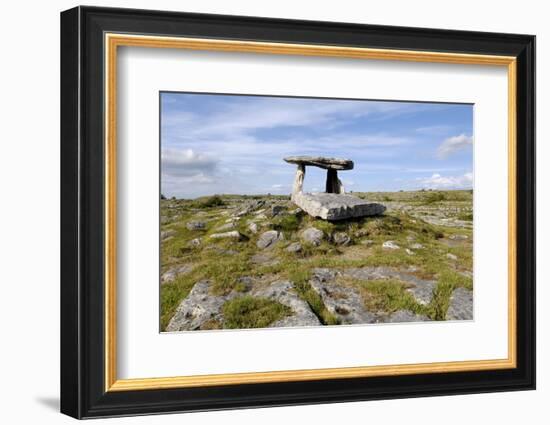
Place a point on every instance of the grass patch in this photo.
(249, 312)
(434, 197)
(287, 223)
(466, 216)
(388, 295)
(448, 281)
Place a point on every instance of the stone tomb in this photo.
(334, 204)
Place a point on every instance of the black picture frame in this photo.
(83, 392)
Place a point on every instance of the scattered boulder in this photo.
(461, 305)
(390, 245)
(294, 247)
(226, 226)
(171, 274)
(458, 237)
(367, 242)
(165, 234)
(269, 239)
(417, 246)
(253, 227)
(451, 256)
(341, 238)
(313, 236)
(361, 233)
(228, 235)
(193, 243)
(408, 251)
(250, 207)
(196, 225)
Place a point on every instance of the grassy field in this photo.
(432, 230)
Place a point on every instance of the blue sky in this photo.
(222, 144)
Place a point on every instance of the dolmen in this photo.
(334, 204)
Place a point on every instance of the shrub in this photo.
(212, 201)
(435, 197)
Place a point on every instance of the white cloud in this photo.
(437, 181)
(453, 144)
(186, 162)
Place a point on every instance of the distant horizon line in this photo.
(284, 194)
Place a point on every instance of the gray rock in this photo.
(283, 292)
(313, 236)
(401, 316)
(341, 238)
(461, 305)
(198, 308)
(165, 234)
(171, 274)
(332, 206)
(250, 207)
(417, 246)
(226, 226)
(408, 251)
(294, 247)
(458, 237)
(196, 225)
(451, 256)
(390, 245)
(253, 227)
(228, 235)
(195, 242)
(367, 242)
(360, 233)
(344, 302)
(269, 239)
(322, 162)
(264, 259)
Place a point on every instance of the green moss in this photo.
(249, 312)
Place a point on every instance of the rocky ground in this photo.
(259, 261)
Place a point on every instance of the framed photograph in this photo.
(261, 212)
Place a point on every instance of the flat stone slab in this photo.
(321, 162)
(461, 305)
(332, 206)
